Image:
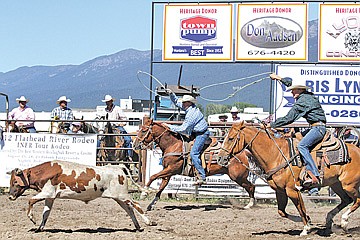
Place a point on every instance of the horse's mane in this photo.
(268, 131)
(175, 134)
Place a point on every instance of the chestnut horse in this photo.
(111, 142)
(171, 145)
(283, 178)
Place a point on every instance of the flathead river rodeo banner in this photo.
(272, 32)
(339, 34)
(24, 150)
(198, 32)
(337, 88)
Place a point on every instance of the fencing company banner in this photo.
(198, 32)
(24, 150)
(220, 185)
(337, 88)
(339, 35)
(270, 32)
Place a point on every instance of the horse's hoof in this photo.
(153, 223)
(32, 219)
(304, 233)
(150, 208)
(306, 230)
(40, 229)
(143, 195)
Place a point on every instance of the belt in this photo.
(317, 124)
(199, 133)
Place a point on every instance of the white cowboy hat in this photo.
(108, 98)
(63, 99)
(234, 110)
(298, 87)
(22, 99)
(188, 98)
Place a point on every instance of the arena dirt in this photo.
(104, 219)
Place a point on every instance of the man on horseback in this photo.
(62, 112)
(114, 112)
(23, 112)
(195, 125)
(307, 106)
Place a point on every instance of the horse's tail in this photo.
(128, 173)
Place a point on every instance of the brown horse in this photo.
(171, 144)
(10, 126)
(59, 127)
(283, 178)
(111, 143)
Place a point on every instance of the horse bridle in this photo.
(270, 172)
(149, 131)
(230, 152)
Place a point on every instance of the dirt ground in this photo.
(104, 219)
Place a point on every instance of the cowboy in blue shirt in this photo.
(194, 124)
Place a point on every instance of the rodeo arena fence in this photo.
(23, 150)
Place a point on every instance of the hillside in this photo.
(116, 74)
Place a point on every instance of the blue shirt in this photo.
(194, 119)
(63, 114)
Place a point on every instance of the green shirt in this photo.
(308, 106)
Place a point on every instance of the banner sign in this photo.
(270, 32)
(339, 33)
(198, 32)
(220, 185)
(24, 150)
(337, 88)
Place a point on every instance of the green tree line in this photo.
(213, 108)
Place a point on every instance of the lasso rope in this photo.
(153, 77)
(208, 86)
(232, 94)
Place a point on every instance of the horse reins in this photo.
(232, 148)
(284, 157)
(272, 171)
(153, 139)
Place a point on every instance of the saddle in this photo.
(208, 155)
(329, 151)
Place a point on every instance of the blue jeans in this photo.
(127, 141)
(313, 191)
(31, 129)
(196, 150)
(314, 136)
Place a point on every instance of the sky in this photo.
(54, 32)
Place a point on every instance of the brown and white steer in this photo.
(67, 180)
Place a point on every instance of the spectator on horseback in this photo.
(62, 112)
(194, 125)
(234, 114)
(23, 112)
(76, 128)
(114, 112)
(307, 106)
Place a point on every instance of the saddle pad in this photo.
(336, 156)
(297, 160)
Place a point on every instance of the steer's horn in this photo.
(9, 173)
(18, 171)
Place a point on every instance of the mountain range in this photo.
(117, 74)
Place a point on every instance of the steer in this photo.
(61, 179)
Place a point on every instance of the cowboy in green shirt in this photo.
(307, 106)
